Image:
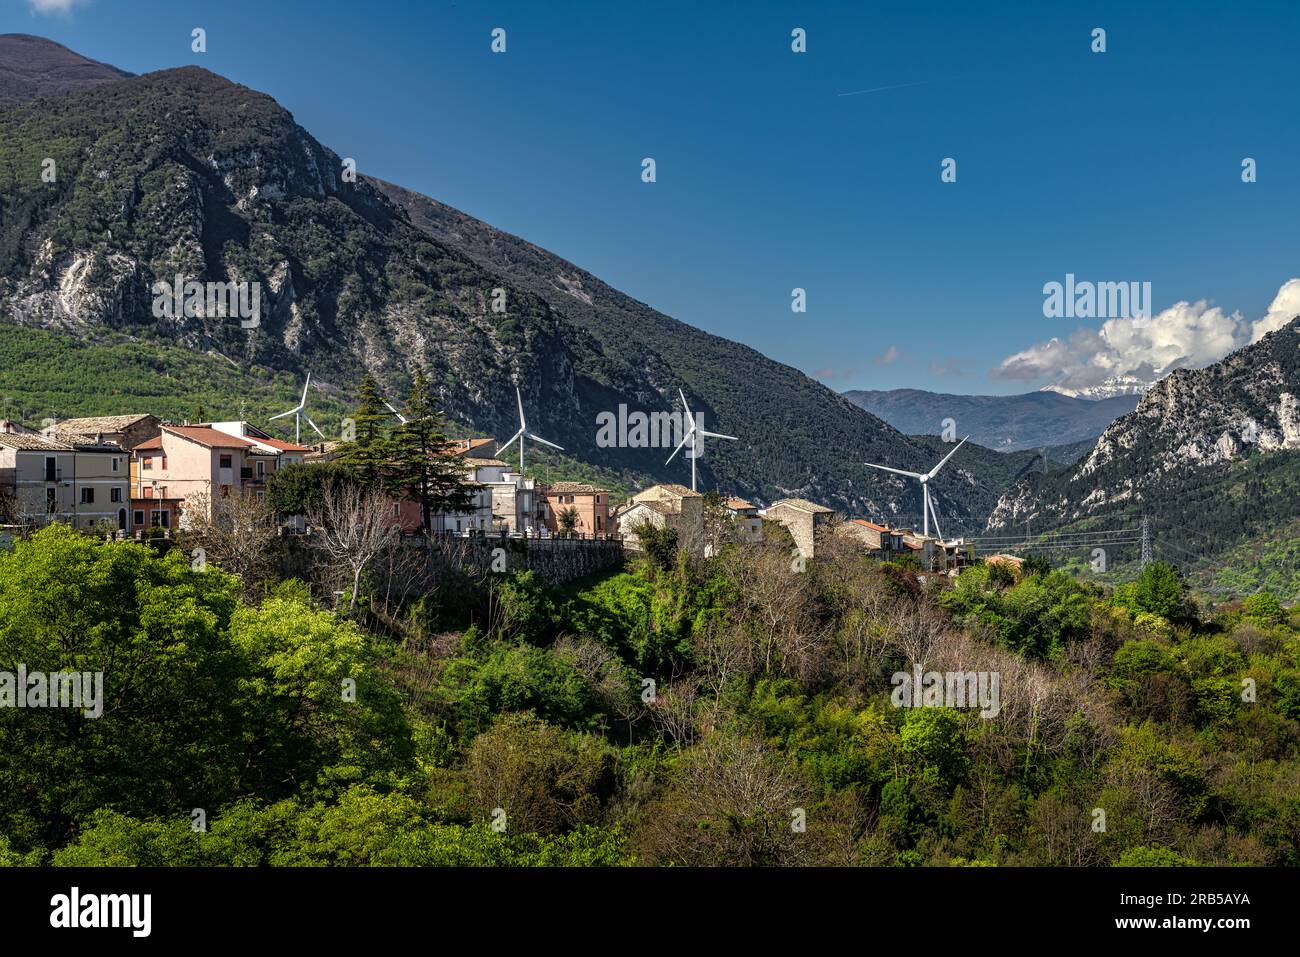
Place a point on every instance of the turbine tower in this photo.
(524, 433)
(927, 508)
(693, 435)
(299, 412)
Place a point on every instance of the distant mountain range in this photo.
(1211, 457)
(1006, 423)
(31, 67)
(1120, 385)
(182, 172)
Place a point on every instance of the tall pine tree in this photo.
(367, 455)
(422, 462)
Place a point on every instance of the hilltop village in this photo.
(136, 476)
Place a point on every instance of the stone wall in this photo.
(554, 560)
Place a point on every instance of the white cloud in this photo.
(60, 7)
(1284, 308)
(1186, 334)
(891, 354)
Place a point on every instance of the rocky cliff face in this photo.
(184, 174)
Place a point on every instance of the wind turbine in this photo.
(693, 435)
(524, 433)
(299, 412)
(924, 478)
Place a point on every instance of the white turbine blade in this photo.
(718, 435)
(305, 386)
(886, 468)
(538, 438)
(400, 418)
(313, 425)
(935, 515)
(283, 414)
(685, 438)
(690, 419)
(510, 441)
(523, 426)
(935, 471)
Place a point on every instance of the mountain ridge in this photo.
(32, 66)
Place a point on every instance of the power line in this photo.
(1094, 533)
(1058, 548)
(1192, 555)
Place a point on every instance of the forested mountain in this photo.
(1210, 456)
(182, 172)
(1002, 422)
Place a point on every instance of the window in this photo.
(114, 463)
(225, 461)
(115, 494)
(146, 463)
(121, 519)
(261, 468)
(87, 496)
(49, 500)
(51, 468)
(137, 517)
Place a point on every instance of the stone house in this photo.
(589, 503)
(803, 519)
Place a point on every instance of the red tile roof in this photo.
(212, 438)
(284, 446)
(571, 488)
(871, 525)
(464, 446)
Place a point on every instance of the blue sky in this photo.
(1118, 166)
